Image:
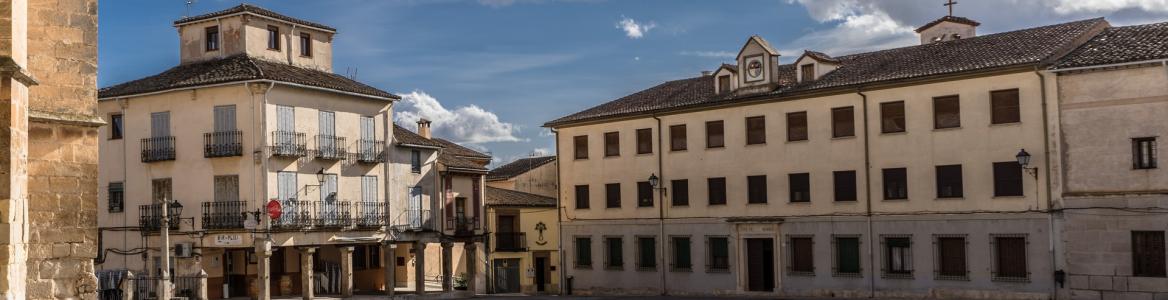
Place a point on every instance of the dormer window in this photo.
(273, 38)
(808, 71)
(212, 38)
(723, 84)
(305, 44)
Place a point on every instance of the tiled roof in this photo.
(255, 10)
(960, 20)
(1120, 45)
(518, 167)
(239, 68)
(504, 197)
(459, 150)
(405, 137)
(453, 155)
(820, 56)
(455, 161)
(1027, 47)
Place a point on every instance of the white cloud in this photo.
(713, 54)
(466, 124)
(1106, 6)
(633, 29)
(497, 3)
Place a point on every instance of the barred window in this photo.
(681, 253)
(951, 257)
(846, 258)
(583, 252)
(802, 257)
(614, 253)
(646, 253)
(117, 201)
(897, 256)
(1009, 257)
(719, 254)
(1148, 254)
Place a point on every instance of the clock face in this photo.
(754, 68)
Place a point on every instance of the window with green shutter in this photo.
(847, 256)
(583, 252)
(681, 254)
(646, 253)
(614, 252)
(719, 250)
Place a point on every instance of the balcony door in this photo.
(285, 124)
(225, 118)
(286, 190)
(327, 132)
(367, 136)
(328, 197)
(415, 207)
(160, 124)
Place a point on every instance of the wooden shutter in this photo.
(368, 131)
(368, 189)
(582, 197)
(448, 189)
(612, 144)
(847, 251)
(226, 188)
(644, 141)
(225, 118)
(285, 118)
(1148, 254)
(755, 130)
(951, 251)
(680, 192)
(580, 143)
(845, 185)
(477, 200)
(677, 140)
(797, 126)
(160, 124)
(756, 189)
(715, 137)
(807, 71)
(1010, 254)
(1005, 107)
(802, 255)
(286, 185)
(843, 122)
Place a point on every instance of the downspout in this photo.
(291, 37)
(661, 206)
(868, 198)
(560, 217)
(263, 140)
(1046, 140)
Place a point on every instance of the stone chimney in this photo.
(424, 128)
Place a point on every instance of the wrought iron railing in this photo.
(333, 214)
(224, 214)
(330, 147)
(465, 225)
(183, 287)
(150, 218)
(510, 241)
(223, 144)
(295, 215)
(289, 144)
(158, 149)
(371, 214)
(414, 220)
(369, 151)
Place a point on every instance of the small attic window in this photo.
(723, 84)
(808, 71)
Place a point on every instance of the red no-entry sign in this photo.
(274, 209)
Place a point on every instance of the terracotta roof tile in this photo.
(405, 137)
(504, 197)
(1121, 45)
(518, 167)
(255, 10)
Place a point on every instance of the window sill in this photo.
(646, 269)
(948, 198)
(841, 138)
(716, 204)
(677, 150)
(1009, 197)
(615, 268)
(894, 133)
(645, 154)
(611, 156)
(763, 144)
(680, 205)
(756, 203)
(803, 141)
(848, 202)
(1011, 124)
(799, 202)
(896, 276)
(274, 49)
(725, 271)
(587, 267)
(639, 206)
(954, 278)
(801, 273)
(848, 275)
(946, 129)
(896, 200)
(579, 159)
(715, 148)
(1010, 279)
(305, 56)
(681, 270)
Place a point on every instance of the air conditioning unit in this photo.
(183, 250)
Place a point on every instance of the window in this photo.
(580, 143)
(756, 189)
(895, 183)
(846, 256)
(116, 127)
(212, 38)
(582, 197)
(723, 84)
(612, 195)
(226, 188)
(808, 72)
(366, 257)
(800, 184)
(797, 126)
(1148, 254)
(682, 261)
(843, 122)
(1004, 107)
(583, 252)
(1007, 179)
(677, 140)
(680, 192)
(161, 190)
(845, 185)
(949, 181)
(946, 112)
(755, 130)
(117, 197)
(802, 260)
(644, 194)
(613, 248)
(1144, 153)
(714, 135)
(644, 141)
(1009, 258)
(898, 257)
(274, 38)
(951, 257)
(305, 44)
(415, 161)
(612, 144)
(717, 190)
(892, 117)
(369, 193)
(719, 254)
(646, 253)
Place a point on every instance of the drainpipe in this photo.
(559, 218)
(1046, 140)
(868, 198)
(263, 139)
(661, 206)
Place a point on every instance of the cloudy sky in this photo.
(489, 73)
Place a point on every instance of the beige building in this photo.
(889, 174)
(48, 166)
(524, 227)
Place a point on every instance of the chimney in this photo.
(424, 128)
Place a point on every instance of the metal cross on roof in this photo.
(950, 4)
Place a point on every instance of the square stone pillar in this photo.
(263, 250)
(420, 267)
(346, 271)
(388, 252)
(446, 265)
(471, 264)
(306, 278)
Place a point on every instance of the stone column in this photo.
(471, 264)
(127, 286)
(388, 251)
(263, 252)
(203, 285)
(446, 265)
(346, 271)
(306, 284)
(420, 267)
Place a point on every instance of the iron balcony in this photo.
(510, 241)
(158, 149)
(330, 147)
(369, 151)
(150, 218)
(223, 144)
(224, 214)
(289, 144)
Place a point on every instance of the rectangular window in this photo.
(612, 144)
(808, 72)
(285, 119)
(580, 144)
(892, 117)
(224, 118)
(646, 253)
(723, 84)
(1007, 179)
(1004, 107)
(582, 197)
(1144, 153)
(415, 161)
(802, 259)
(1148, 254)
(946, 112)
(845, 185)
(843, 122)
(161, 190)
(949, 181)
(583, 253)
(116, 127)
(305, 44)
(756, 189)
(1010, 258)
(612, 195)
(895, 184)
(360, 261)
(714, 135)
(951, 258)
(160, 124)
(226, 188)
(644, 194)
(717, 190)
(797, 126)
(847, 256)
(719, 254)
(680, 192)
(800, 184)
(644, 141)
(614, 253)
(755, 130)
(677, 140)
(682, 260)
(117, 197)
(898, 257)
(274, 38)
(212, 38)
(369, 191)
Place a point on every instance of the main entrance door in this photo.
(760, 265)
(540, 273)
(507, 275)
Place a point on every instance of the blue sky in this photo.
(489, 73)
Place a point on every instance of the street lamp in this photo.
(1023, 158)
(653, 180)
(319, 181)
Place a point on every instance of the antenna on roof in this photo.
(189, 4)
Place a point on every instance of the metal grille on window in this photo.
(897, 255)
